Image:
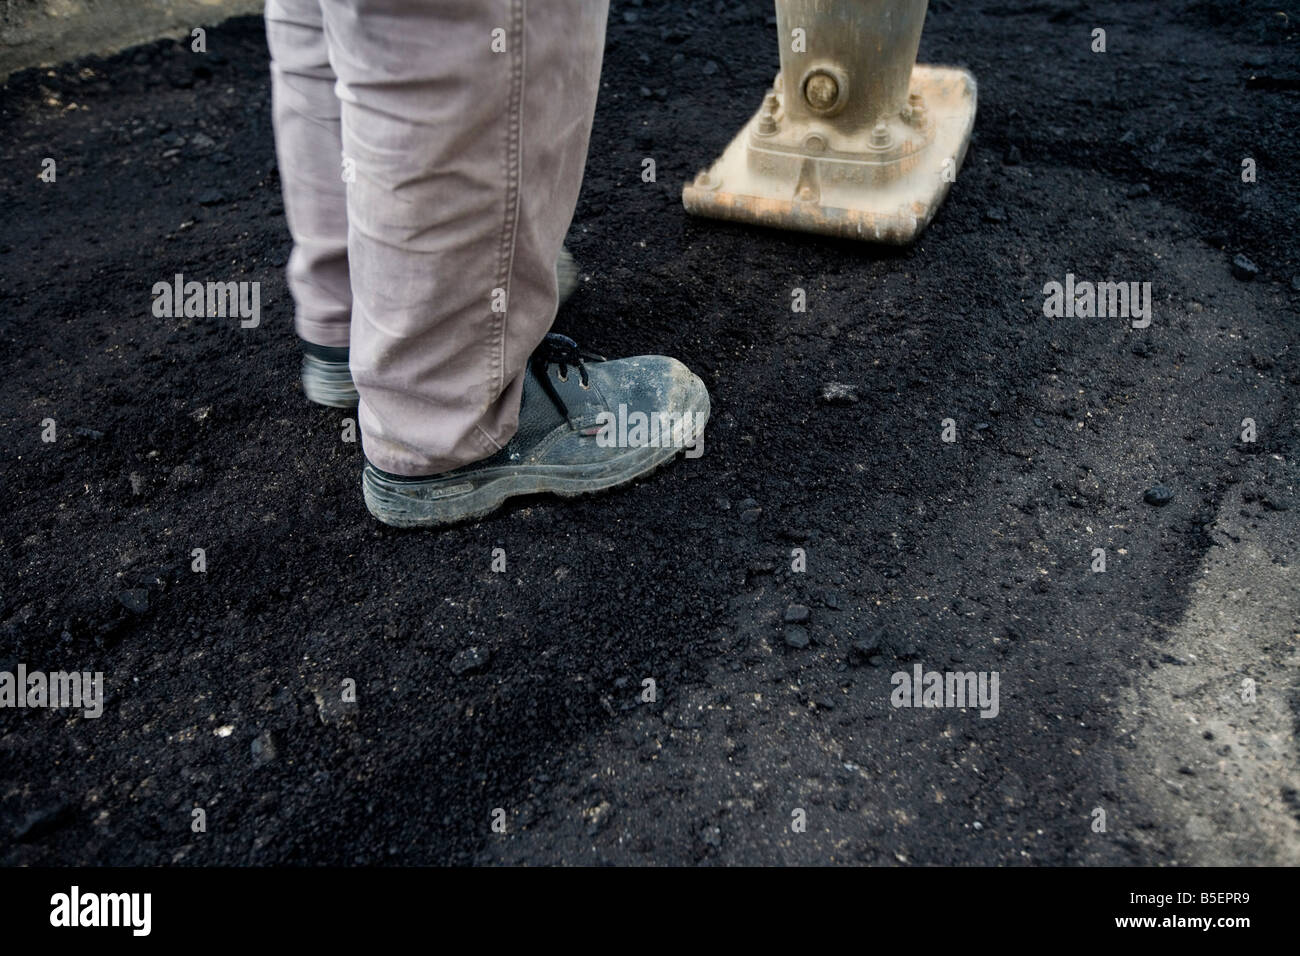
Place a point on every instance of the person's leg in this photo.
(308, 144)
(466, 123)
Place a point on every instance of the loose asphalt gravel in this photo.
(1159, 697)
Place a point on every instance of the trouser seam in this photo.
(512, 163)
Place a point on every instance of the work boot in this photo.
(585, 424)
(326, 379)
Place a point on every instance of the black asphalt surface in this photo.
(224, 687)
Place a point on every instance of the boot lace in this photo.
(557, 349)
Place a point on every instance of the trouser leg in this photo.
(308, 144)
(467, 168)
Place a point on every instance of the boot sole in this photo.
(404, 505)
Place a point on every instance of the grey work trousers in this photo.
(430, 155)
